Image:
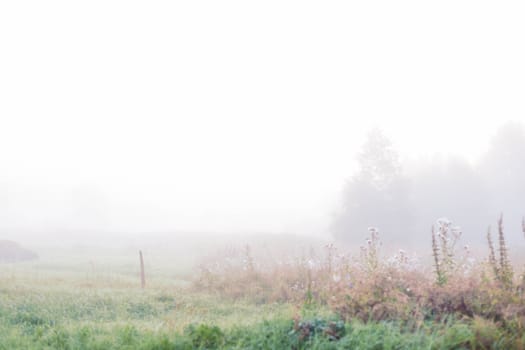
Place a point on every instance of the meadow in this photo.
(263, 292)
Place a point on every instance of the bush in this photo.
(205, 337)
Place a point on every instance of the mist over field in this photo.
(402, 195)
(283, 174)
(254, 125)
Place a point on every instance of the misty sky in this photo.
(236, 115)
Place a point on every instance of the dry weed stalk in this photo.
(501, 267)
(370, 252)
(505, 265)
(523, 275)
(443, 249)
(373, 289)
(492, 254)
(248, 260)
(523, 226)
(440, 276)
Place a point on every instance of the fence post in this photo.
(142, 275)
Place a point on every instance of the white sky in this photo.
(237, 115)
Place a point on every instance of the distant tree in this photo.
(449, 187)
(376, 196)
(503, 171)
(504, 163)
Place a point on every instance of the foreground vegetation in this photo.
(32, 332)
(319, 299)
(119, 318)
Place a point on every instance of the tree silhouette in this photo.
(448, 187)
(503, 172)
(376, 196)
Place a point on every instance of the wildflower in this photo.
(311, 264)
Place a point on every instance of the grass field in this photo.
(89, 297)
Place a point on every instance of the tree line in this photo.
(403, 200)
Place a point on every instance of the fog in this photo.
(236, 117)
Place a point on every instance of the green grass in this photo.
(68, 303)
(68, 317)
(274, 334)
(66, 310)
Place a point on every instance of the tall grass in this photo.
(371, 287)
(321, 299)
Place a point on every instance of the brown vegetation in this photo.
(369, 287)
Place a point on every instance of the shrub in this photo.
(205, 337)
(372, 288)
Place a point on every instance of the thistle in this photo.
(371, 251)
(435, 252)
(492, 255)
(502, 268)
(505, 266)
(443, 249)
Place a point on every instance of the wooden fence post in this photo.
(142, 275)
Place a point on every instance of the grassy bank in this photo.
(234, 299)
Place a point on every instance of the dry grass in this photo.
(371, 288)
